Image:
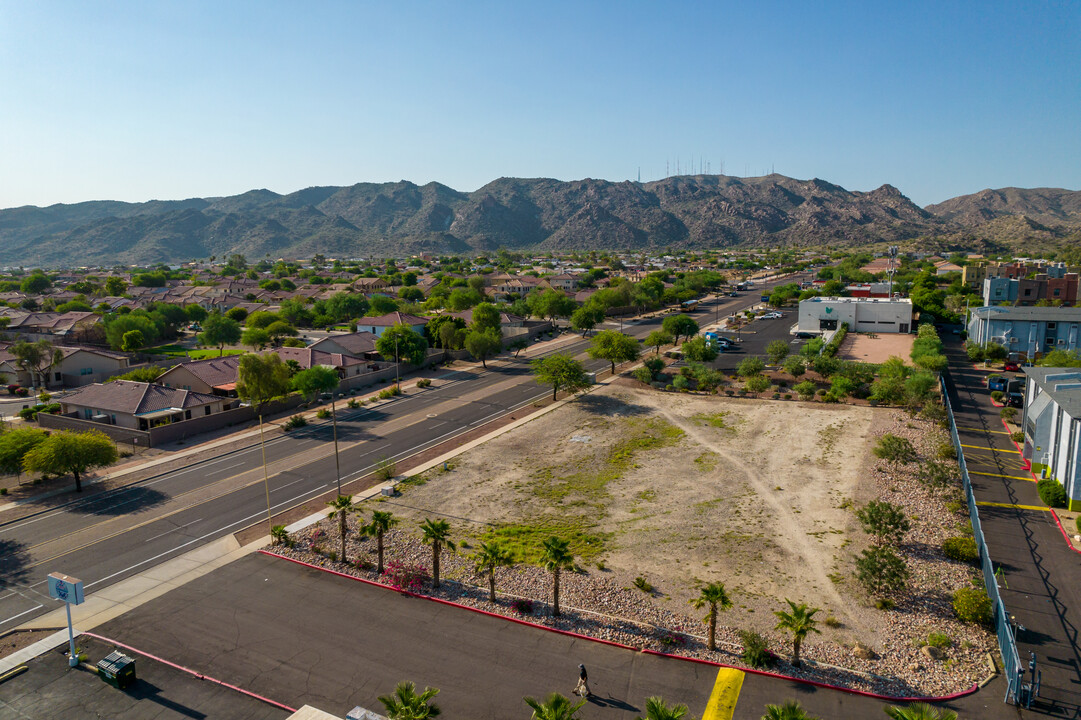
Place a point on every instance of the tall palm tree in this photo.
(342, 507)
(657, 709)
(488, 557)
(920, 711)
(556, 556)
(554, 707)
(437, 534)
(800, 621)
(382, 522)
(791, 710)
(716, 597)
(406, 704)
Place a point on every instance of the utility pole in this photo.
(337, 460)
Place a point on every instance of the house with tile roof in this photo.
(378, 325)
(346, 366)
(139, 405)
(357, 344)
(212, 376)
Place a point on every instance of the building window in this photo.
(187, 414)
(1051, 326)
(86, 371)
(206, 411)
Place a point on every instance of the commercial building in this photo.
(1027, 332)
(1052, 427)
(880, 315)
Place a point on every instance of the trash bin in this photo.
(117, 669)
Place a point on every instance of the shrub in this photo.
(997, 395)
(939, 640)
(425, 382)
(642, 374)
(642, 584)
(881, 571)
(805, 389)
(387, 393)
(405, 577)
(972, 605)
(884, 521)
(962, 549)
(522, 607)
(352, 404)
(3, 491)
(21, 392)
(1052, 493)
(1008, 413)
(297, 421)
(385, 469)
(1017, 436)
(680, 382)
(788, 396)
(756, 651)
(12, 389)
(322, 414)
(1077, 523)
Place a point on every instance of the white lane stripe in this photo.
(7, 620)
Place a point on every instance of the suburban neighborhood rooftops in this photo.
(391, 319)
(308, 357)
(1063, 385)
(356, 343)
(136, 398)
(505, 318)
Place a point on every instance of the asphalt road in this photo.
(111, 536)
(1039, 571)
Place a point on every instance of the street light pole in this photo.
(266, 478)
(337, 462)
(397, 364)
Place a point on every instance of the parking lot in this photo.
(753, 339)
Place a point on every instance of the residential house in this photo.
(212, 376)
(1052, 427)
(943, 267)
(378, 325)
(564, 281)
(138, 405)
(358, 344)
(506, 320)
(346, 366)
(77, 366)
(1027, 332)
(69, 327)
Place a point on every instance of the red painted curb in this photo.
(191, 672)
(579, 636)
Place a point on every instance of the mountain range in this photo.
(396, 219)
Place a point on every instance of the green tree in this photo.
(220, 331)
(463, 298)
(562, 372)
(555, 557)
(716, 598)
(586, 318)
(255, 338)
(279, 329)
(884, 521)
(550, 304)
(342, 507)
(15, 444)
(679, 325)
(117, 325)
(790, 710)
(482, 345)
(261, 319)
(115, 287)
(487, 558)
(196, 313)
(895, 450)
(613, 346)
(757, 384)
(315, 380)
(1061, 358)
(133, 340)
(437, 534)
(279, 535)
(486, 320)
(658, 709)
(554, 707)
(920, 711)
(777, 351)
(35, 357)
(401, 343)
(698, 350)
(881, 571)
(382, 522)
(35, 284)
(71, 452)
(518, 345)
(749, 366)
(407, 704)
(798, 620)
(260, 379)
(793, 365)
(657, 338)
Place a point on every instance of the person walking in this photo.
(582, 688)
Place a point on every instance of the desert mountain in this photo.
(400, 218)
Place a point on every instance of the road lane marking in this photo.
(722, 701)
(1008, 477)
(981, 430)
(983, 447)
(1013, 505)
(7, 620)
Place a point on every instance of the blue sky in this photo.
(165, 100)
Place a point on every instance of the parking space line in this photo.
(1008, 477)
(983, 447)
(1013, 505)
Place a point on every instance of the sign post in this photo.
(70, 590)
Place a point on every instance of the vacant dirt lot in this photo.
(679, 490)
(877, 349)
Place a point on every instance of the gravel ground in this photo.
(595, 604)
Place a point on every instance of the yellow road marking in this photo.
(722, 701)
(1008, 477)
(1011, 505)
(997, 432)
(981, 447)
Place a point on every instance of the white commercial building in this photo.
(880, 315)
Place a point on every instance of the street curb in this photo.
(579, 636)
(193, 673)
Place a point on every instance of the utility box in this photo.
(118, 670)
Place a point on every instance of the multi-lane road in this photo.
(108, 537)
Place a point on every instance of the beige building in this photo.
(138, 405)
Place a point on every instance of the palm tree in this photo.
(657, 709)
(716, 597)
(488, 557)
(437, 534)
(279, 535)
(342, 507)
(554, 707)
(920, 711)
(556, 556)
(799, 622)
(791, 710)
(405, 704)
(382, 522)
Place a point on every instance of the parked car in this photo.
(804, 335)
(1011, 366)
(996, 382)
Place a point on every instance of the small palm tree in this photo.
(920, 711)
(556, 556)
(382, 522)
(342, 507)
(278, 535)
(554, 707)
(488, 557)
(406, 704)
(791, 710)
(437, 534)
(657, 709)
(715, 596)
(800, 621)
